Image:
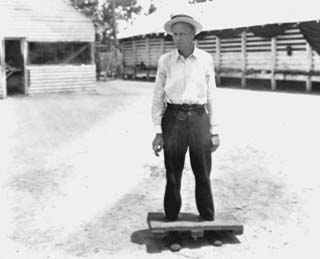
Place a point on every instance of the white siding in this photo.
(68, 78)
(54, 20)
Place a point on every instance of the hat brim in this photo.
(197, 26)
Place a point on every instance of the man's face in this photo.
(182, 34)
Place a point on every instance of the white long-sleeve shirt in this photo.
(182, 80)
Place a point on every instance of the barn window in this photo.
(44, 53)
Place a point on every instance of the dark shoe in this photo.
(214, 238)
(206, 218)
(175, 247)
(174, 241)
(217, 242)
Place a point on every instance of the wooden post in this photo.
(134, 57)
(243, 58)
(162, 45)
(26, 74)
(3, 77)
(92, 47)
(218, 57)
(273, 62)
(309, 68)
(122, 59)
(196, 43)
(148, 57)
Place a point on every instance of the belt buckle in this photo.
(182, 115)
(185, 107)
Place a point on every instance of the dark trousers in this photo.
(183, 130)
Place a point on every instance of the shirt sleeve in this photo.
(158, 102)
(211, 101)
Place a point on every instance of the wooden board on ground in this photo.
(159, 226)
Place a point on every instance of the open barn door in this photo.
(15, 66)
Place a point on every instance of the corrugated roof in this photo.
(226, 14)
(40, 20)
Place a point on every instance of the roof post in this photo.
(148, 56)
(309, 67)
(162, 45)
(134, 57)
(218, 59)
(273, 62)
(243, 58)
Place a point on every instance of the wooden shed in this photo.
(261, 45)
(45, 47)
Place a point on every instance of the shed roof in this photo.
(40, 20)
(227, 14)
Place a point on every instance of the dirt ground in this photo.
(78, 175)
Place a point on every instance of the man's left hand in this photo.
(215, 142)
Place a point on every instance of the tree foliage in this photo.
(102, 14)
(152, 8)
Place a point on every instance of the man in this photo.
(183, 115)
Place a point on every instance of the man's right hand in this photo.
(157, 144)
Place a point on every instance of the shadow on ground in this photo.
(157, 245)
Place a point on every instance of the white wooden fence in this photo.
(246, 56)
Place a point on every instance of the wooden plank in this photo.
(39, 75)
(231, 44)
(62, 89)
(72, 71)
(231, 57)
(259, 61)
(290, 66)
(259, 55)
(230, 74)
(265, 76)
(237, 39)
(231, 50)
(259, 47)
(53, 79)
(65, 90)
(263, 61)
(61, 84)
(258, 67)
(258, 43)
(191, 222)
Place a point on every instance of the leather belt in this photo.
(185, 107)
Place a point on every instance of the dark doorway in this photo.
(14, 67)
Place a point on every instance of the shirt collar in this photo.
(194, 54)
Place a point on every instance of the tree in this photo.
(108, 14)
(105, 17)
(118, 10)
(88, 7)
(152, 8)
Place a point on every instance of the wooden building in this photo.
(268, 47)
(45, 47)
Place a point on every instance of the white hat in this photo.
(182, 18)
